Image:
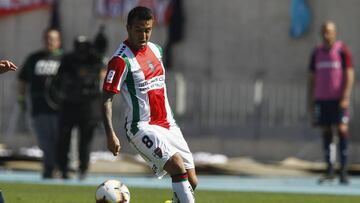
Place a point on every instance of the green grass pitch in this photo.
(38, 193)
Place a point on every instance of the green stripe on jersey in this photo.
(131, 88)
(160, 50)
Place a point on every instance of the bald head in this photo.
(328, 33)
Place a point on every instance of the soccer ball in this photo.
(112, 191)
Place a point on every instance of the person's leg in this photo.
(182, 188)
(327, 136)
(86, 132)
(46, 134)
(343, 132)
(54, 139)
(192, 180)
(66, 124)
(152, 143)
(192, 177)
(178, 141)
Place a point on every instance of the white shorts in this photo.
(157, 144)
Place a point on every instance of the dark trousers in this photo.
(47, 132)
(81, 116)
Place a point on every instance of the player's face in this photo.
(52, 40)
(328, 33)
(139, 33)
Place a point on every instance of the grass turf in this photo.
(38, 193)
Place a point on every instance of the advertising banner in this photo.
(120, 8)
(12, 7)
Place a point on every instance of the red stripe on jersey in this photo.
(157, 108)
(115, 70)
(151, 67)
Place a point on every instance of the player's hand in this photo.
(344, 103)
(113, 144)
(6, 65)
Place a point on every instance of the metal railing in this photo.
(231, 108)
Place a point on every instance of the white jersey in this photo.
(140, 78)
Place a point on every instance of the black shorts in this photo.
(329, 113)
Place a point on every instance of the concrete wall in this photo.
(243, 37)
(232, 37)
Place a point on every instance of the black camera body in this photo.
(80, 72)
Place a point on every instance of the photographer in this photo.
(79, 81)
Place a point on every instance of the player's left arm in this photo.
(349, 78)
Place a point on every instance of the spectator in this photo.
(36, 77)
(330, 84)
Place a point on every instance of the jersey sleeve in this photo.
(346, 57)
(115, 75)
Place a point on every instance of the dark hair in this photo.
(139, 13)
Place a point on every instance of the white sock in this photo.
(183, 191)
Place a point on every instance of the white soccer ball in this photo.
(112, 191)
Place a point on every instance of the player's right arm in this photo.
(6, 66)
(113, 143)
(116, 73)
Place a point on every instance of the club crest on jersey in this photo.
(158, 153)
(151, 66)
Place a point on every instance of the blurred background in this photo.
(236, 75)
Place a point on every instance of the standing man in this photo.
(136, 71)
(6, 66)
(36, 76)
(79, 81)
(330, 83)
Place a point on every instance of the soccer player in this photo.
(6, 66)
(330, 83)
(137, 72)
